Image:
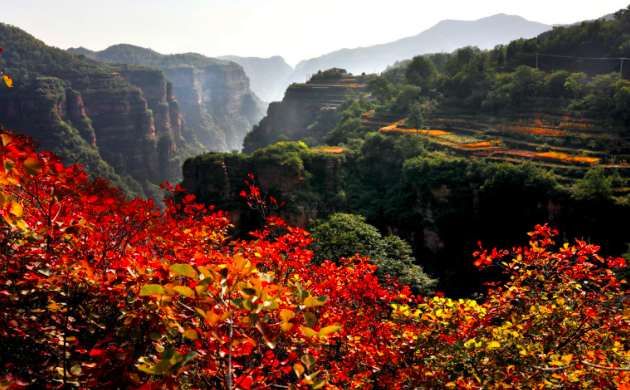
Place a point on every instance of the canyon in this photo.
(215, 98)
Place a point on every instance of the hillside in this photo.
(121, 124)
(266, 75)
(214, 95)
(443, 158)
(306, 111)
(446, 36)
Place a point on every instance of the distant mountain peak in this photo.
(445, 36)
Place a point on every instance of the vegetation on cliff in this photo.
(126, 131)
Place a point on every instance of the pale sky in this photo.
(293, 29)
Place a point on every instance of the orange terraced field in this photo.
(480, 144)
(533, 130)
(330, 149)
(568, 158)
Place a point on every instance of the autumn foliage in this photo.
(98, 291)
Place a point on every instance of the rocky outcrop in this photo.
(120, 122)
(302, 106)
(214, 96)
(218, 179)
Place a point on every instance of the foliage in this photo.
(595, 186)
(421, 72)
(331, 74)
(381, 88)
(103, 292)
(346, 235)
(415, 118)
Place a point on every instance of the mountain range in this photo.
(446, 36)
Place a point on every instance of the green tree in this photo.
(595, 185)
(422, 73)
(345, 235)
(382, 89)
(415, 119)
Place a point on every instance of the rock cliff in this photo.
(286, 171)
(214, 95)
(121, 123)
(303, 105)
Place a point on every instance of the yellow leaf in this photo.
(32, 166)
(201, 312)
(328, 330)
(240, 262)
(560, 301)
(6, 140)
(493, 345)
(7, 81)
(286, 315)
(191, 334)
(308, 332)
(16, 209)
(187, 291)
(312, 302)
(213, 317)
(298, 369)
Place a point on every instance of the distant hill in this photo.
(447, 35)
(266, 75)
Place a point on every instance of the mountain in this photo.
(214, 95)
(120, 123)
(266, 75)
(446, 36)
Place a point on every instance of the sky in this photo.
(294, 29)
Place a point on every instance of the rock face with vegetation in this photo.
(122, 124)
(307, 109)
(267, 75)
(214, 95)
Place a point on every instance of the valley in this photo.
(445, 211)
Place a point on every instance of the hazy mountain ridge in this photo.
(266, 75)
(447, 36)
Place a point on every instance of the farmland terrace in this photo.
(568, 145)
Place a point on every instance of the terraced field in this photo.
(568, 145)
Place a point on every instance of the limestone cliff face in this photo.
(214, 95)
(218, 179)
(120, 121)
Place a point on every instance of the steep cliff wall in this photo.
(98, 113)
(286, 171)
(54, 114)
(214, 95)
(300, 108)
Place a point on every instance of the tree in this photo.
(422, 73)
(595, 185)
(415, 119)
(346, 235)
(381, 88)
